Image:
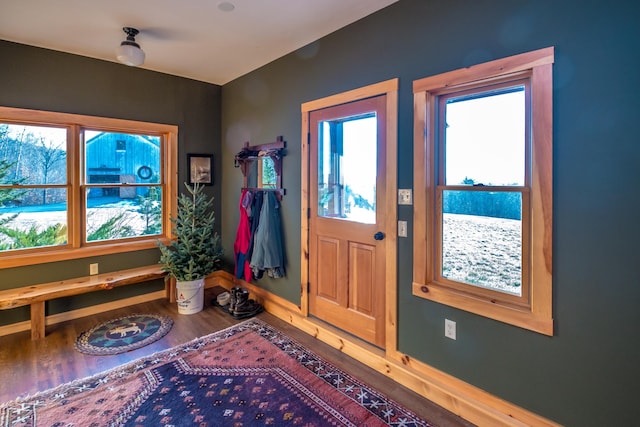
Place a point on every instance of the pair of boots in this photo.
(239, 305)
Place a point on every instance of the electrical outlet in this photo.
(93, 269)
(450, 329)
(402, 228)
(405, 196)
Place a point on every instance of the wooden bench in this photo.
(36, 295)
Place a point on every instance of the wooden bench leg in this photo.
(37, 320)
(170, 289)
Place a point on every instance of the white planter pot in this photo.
(190, 296)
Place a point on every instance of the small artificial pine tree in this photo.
(196, 250)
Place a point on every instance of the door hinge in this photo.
(308, 287)
(308, 138)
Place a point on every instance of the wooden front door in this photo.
(347, 193)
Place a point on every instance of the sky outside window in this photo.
(485, 139)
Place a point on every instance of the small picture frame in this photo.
(200, 168)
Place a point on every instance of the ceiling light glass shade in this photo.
(130, 54)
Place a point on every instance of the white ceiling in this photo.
(189, 38)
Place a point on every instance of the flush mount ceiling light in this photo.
(226, 6)
(129, 51)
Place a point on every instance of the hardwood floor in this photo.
(28, 366)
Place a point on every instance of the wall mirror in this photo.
(261, 165)
(261, 173)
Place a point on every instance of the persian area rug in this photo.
(247, 375)
(123, 334)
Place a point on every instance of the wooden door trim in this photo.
(388, 88)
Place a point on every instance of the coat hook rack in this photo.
(248, 157)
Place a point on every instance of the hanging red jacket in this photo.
(243, 237)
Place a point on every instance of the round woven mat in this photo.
(123, 334)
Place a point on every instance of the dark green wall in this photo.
(587, 373)
(42, 79)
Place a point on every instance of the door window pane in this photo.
(347, 169)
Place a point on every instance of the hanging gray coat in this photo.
(268, 249)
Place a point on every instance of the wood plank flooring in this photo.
(28, 366)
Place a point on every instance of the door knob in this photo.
(379, 235)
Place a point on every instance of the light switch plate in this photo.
(402, 228)
(405, 196)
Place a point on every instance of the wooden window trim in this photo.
(536, 313)
(436, 146)
(75, 249)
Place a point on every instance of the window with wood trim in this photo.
(483, 189)
(73, 186)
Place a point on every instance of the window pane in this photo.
(482, 239)
(121, 212)
(347, 169)
(114, 158)
(32, 217)
(34, 154)
(485, 138)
